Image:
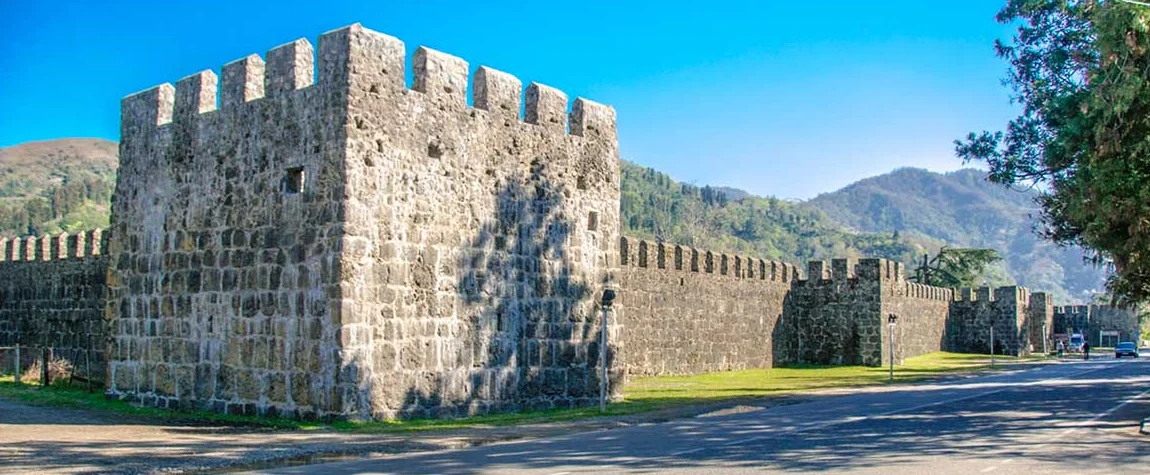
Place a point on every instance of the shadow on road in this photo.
(784, 439)
(1019, 421)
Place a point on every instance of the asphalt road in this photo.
(1072, 417)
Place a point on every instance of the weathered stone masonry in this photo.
(310, 237)
(345, 245)
(1016, 315)
(838, 315)
(52, 294)
(685, 311)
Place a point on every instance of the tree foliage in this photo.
(79, 202)
(955, 267)
(1080, 69)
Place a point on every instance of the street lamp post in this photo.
(1044, 351)
(890, 321)
(608, 299)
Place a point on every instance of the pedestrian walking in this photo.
(1085, 350)
(1060, 347)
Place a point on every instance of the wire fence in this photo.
(43, 365)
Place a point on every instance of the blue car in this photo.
(1126, 348)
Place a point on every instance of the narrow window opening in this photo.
(593, 221)
(294, 180)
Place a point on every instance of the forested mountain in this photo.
(657, 207)
(56, 185)
(66, 185)
(963, 209)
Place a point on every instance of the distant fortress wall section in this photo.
(1103, 325)
(52, 294)
(1013, 312)
(833, 317)
(1039, 323)
(687, 311)
(920, 312)
(840, 315)
(1109, 325)
(312, 237)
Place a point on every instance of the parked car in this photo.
(1126, 348)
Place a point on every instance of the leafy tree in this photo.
(1080, 69)
(955, 267)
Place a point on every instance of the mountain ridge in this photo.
(66, 185)
(964, 209)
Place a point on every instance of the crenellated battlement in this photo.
(1009, 293)
(296, 66)
(846, 269)
(641, 253)
(63, 246)
(1078, 309)
(928, 292)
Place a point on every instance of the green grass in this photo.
(775, 381)
(62, 394)
(643, 395)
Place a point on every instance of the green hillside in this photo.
(964, 209)
(56, 185)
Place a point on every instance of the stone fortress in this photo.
(305, 235)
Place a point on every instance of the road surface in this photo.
(1072, 417)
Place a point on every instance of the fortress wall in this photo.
(921, 322)
(1072, 319)
(477, 241)
(1105, 317)
(838, 316)
(224, 289)
(686, 311)
(974, 312)
(832, 317)
(52, 295)
(305, 234)
(1039, 323)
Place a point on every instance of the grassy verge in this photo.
(775, 381)
(62, 394)
(643, 395)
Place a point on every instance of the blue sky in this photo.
(779, 98)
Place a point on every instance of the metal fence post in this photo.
(88, 363)
(17, 363)
(45, 355)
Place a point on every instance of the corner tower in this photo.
(313, 237)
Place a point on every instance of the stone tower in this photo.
(306, 235)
